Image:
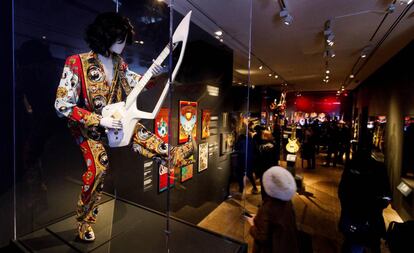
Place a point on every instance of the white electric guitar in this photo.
(127, 111)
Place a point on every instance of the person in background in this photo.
(364, 193)
(245, 149)
(308, 147)
(274, 226)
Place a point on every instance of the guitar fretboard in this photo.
(147, 76)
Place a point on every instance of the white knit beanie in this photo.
(279, 183)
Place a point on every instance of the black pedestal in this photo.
(126, 227)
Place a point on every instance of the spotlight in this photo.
(270, 74)
(221, 40)
(286, 17)
(329, 53)
(218, 33)
(276, 76)
(330, 39)
(327, 71)
(327, 77)
(365, 51)
(261, 67)
(407, 2)
(328, 33)
(391, 8)
(351, 76)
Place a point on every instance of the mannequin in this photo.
(89, 82)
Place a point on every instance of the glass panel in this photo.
(60, 170)
(211, 102)
(49, 164)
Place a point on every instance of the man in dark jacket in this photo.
(364, 192)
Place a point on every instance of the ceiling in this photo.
(296, 52)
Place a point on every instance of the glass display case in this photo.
(131, 134)
(376, 127)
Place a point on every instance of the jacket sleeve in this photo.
(132, 77)
(68, 93)
(260, 231)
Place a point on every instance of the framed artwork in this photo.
(202, 156)
(161, 124)
(187, 172)
(205, 123)
(227, 141)
(163, 177)
(187, 121)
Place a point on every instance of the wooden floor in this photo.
(317, 210)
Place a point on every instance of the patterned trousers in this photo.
(96, 159)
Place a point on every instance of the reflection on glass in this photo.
(376, 130)
(408, 148)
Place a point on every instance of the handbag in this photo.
(356, 230)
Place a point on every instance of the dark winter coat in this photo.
(364, 192)
(274, 227)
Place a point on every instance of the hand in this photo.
(158, 70)
(109, 122)
(249, 220)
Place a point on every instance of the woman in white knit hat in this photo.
(274, 226)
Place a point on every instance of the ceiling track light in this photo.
(330, 39)
(391, 8)
(329, 53)
(286, 17)
(407, 2)
(365, 51)
(218, 33)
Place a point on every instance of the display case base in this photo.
(123, 226)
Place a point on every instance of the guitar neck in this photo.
(146, 77)
(293, 135)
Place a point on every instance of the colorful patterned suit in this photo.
(82, 93)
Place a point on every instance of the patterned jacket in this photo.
(83, 89)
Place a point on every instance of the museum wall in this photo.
(389, 92)
(205, 63)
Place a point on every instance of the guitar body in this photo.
(121, 137)
(292, 146)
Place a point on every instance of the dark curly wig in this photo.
(106, 29)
